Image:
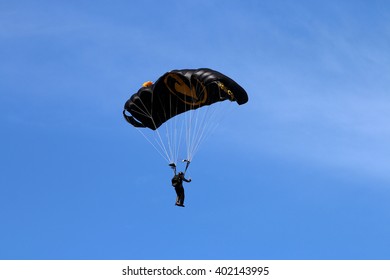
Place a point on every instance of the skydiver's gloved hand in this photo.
(189, 180)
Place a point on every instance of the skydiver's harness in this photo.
(176, 180)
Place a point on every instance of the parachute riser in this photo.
(187, 165)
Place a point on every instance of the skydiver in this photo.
(177, 183)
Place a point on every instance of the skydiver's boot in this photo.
(177, 201)
(181, 202)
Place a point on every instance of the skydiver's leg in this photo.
(182, 197)
(178, 194)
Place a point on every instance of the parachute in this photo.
(180, 94)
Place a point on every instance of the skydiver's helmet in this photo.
(181, 173)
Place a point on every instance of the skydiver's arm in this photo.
(185, 180)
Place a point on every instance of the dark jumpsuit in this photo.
(177, 182)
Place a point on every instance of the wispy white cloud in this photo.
(345, 131)
(322, 96)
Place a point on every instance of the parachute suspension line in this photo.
(187, 122)
(206, 122)
(190, 128)
(165, 144)
(195, 126)
(178, 135)
(209, 125)
(209, 121)
(157, 136)
(154, 146)
(172, 136)
(162, 144)
(200, 128)
(175, 137)
(169, 142)
(197, 123)
(168, 131)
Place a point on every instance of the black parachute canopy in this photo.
(178, 91)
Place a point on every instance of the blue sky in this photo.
(300, 172)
